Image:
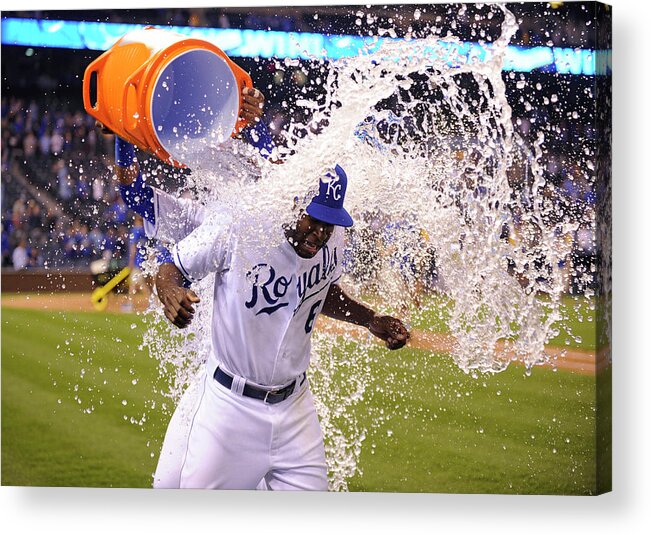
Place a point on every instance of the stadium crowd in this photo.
(58, 209)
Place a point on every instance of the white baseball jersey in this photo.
(266, 298)
(175, 217)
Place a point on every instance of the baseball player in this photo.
(252, 423)
(254, 418)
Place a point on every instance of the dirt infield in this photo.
(585, 362)
(71, 302)
(576, 360)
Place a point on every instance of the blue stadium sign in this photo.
(309, 46)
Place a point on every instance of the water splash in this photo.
(437, 177)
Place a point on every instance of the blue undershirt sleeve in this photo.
(138, 196)
(258, 136)
(125, 152)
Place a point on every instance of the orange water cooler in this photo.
(168, 94)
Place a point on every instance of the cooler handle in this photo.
(95, 111)
(133, 81)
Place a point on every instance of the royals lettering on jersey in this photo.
(323, 271)
(269, 287)
(266, 297)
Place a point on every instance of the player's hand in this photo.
(252, 105)
(391, 330)
(178, 304)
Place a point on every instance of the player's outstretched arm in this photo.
(338, 305)
(177, 300)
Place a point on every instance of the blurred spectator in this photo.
(18, 213)
(35, 258)
(20, 256)
(98, 188)
(44, 142)
(63, 179)
(30, 143)
(223, 21)
(34, 215)
(56, 143)
(117, 212)
(97, 240)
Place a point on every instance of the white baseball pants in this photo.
(217, 439)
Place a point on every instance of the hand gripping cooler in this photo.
(167, 94)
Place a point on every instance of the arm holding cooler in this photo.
(258, 136)
(137, 195)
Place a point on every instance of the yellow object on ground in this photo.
(99, 297)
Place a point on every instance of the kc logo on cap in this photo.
(328, 205)
(333, 187)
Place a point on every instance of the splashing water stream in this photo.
(436, 173)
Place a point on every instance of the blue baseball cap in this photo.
(328, 205)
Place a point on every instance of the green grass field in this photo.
(80, 408)
(506, 433)
(578, 311)
(65, 380)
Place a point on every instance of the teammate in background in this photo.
(139, 282)
(254, 423)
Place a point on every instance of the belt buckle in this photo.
(267, 395)
(284, 393)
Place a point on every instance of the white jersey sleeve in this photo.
(207, 249)
(175, 217)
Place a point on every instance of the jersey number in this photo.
(309, 324)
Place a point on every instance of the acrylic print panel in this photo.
(476, 143)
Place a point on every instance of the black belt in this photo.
(268, 396)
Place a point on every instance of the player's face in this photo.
(309, 235)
